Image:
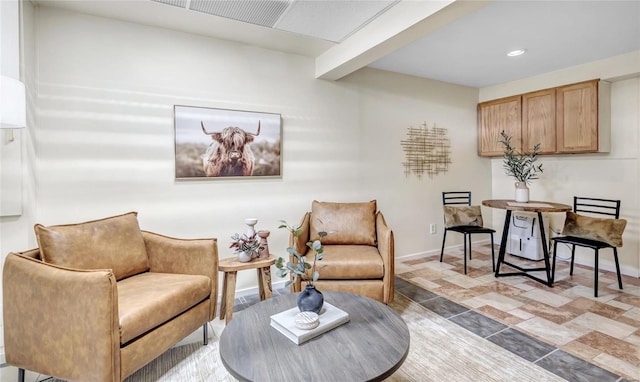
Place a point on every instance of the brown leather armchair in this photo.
(358, 251)
(99, 300)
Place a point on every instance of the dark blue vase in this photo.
(310, 300)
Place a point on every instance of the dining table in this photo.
(534, 206)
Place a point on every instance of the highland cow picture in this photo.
(219, 143)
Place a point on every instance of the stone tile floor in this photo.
(558, 328)
(563, 329)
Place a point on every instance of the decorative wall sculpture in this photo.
(427, 150)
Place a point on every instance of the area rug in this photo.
(440, 351)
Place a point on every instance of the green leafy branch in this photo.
(301, 266)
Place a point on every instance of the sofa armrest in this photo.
(184, 256)
(386, 248)
(50, 311)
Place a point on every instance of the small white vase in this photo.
(244, 257)
(522, 192)
(250, 222)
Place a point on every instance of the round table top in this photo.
(370, 347)
(231, 264)
(531, 206)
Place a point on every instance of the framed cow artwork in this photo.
(222, 144)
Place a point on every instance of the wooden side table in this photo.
(230, 267)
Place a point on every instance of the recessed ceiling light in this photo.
(517, 52)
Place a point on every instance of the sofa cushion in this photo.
(114, 243)
(606, 230)
(347, 223)
(149, 299)
(349, 262)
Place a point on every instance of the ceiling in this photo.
(461, 42)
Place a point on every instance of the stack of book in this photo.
(330, 317)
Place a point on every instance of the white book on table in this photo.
(330, 317)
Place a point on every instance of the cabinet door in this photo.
(494, 117)
(539, 121)
(577, 117)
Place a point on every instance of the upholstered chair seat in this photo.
(348, 262)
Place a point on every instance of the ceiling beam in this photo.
(403, 24)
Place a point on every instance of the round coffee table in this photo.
(370, 347)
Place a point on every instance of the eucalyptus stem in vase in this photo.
(300, 267)
(310, 299)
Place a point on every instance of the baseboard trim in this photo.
(253, 291)
(413, 256)
(587, 261)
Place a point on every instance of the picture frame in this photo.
(213, 143)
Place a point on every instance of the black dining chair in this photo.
(595, 233)
(462, 217)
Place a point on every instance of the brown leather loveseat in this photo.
(99, 300)
(358, 251)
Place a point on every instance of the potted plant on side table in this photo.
(520, 165)
(246, 247)
(310, 299)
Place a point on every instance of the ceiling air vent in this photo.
(175, 3)
(259, 12)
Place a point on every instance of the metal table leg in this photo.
(524, 271)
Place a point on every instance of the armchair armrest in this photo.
(386, 248)
(301, 247)
(301, 244)
(50, 311)
(184, 256)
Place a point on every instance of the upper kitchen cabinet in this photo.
(494, 117)
(568, 119)
(539, 121)
(577, 118)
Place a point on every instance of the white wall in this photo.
(613, 175)
(104, 141)
(390, 104)
(16, 230)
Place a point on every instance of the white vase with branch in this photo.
(521, 166)
(310, 299)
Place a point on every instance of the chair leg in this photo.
(444, 237)
(615, 257)
(595, 276)
(465, 253)
(573, 255)
(470, 247)
(553, 266)
(20, 375)
(493, 257)
(205, 333)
